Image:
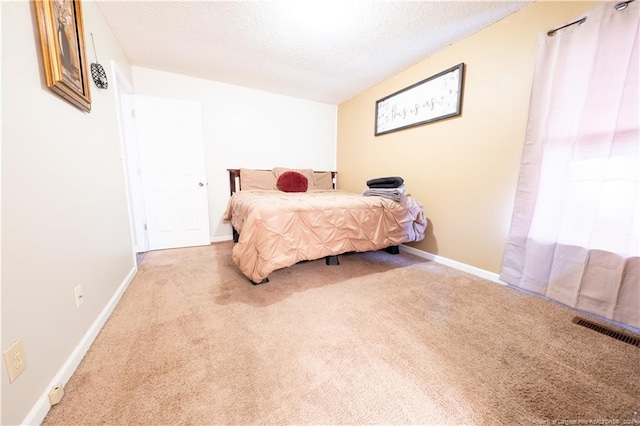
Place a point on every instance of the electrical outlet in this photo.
(77, 292)
(15, 360)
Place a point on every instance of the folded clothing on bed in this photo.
(385, 182)
(391, 193)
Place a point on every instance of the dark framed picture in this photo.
(432, 99)
(63, 50)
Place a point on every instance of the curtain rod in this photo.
(620, 6)
(555, 30)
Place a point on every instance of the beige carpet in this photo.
(379, 339)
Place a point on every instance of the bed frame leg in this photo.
(264, 281)
(236, 236)
(393, 250)
(332, 260)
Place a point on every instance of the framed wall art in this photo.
(435, 98)
(63, 50)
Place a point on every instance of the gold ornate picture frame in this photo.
(63, 50)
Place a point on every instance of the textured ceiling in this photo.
(327, 51)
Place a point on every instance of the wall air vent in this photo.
(635, 341)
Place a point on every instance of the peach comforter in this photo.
(278, 229)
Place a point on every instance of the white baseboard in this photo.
(491, 276)
(42, 406)
(221, 239)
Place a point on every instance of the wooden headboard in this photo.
(236, 185)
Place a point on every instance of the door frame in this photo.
(131, 163)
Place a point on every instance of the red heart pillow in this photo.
(292, 182)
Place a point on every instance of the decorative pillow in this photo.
(308, 173)
(257, 179)
(292, 182)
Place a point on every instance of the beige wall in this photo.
(463, 170)
(64, 213)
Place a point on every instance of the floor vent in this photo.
(607, 331)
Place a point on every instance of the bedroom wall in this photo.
(463, 170)
(249, 128)
(64, 210)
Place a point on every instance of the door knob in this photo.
(200, 184)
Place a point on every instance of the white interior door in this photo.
(173, 172)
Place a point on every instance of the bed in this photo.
(274, 229)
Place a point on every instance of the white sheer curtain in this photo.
(575, 232)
